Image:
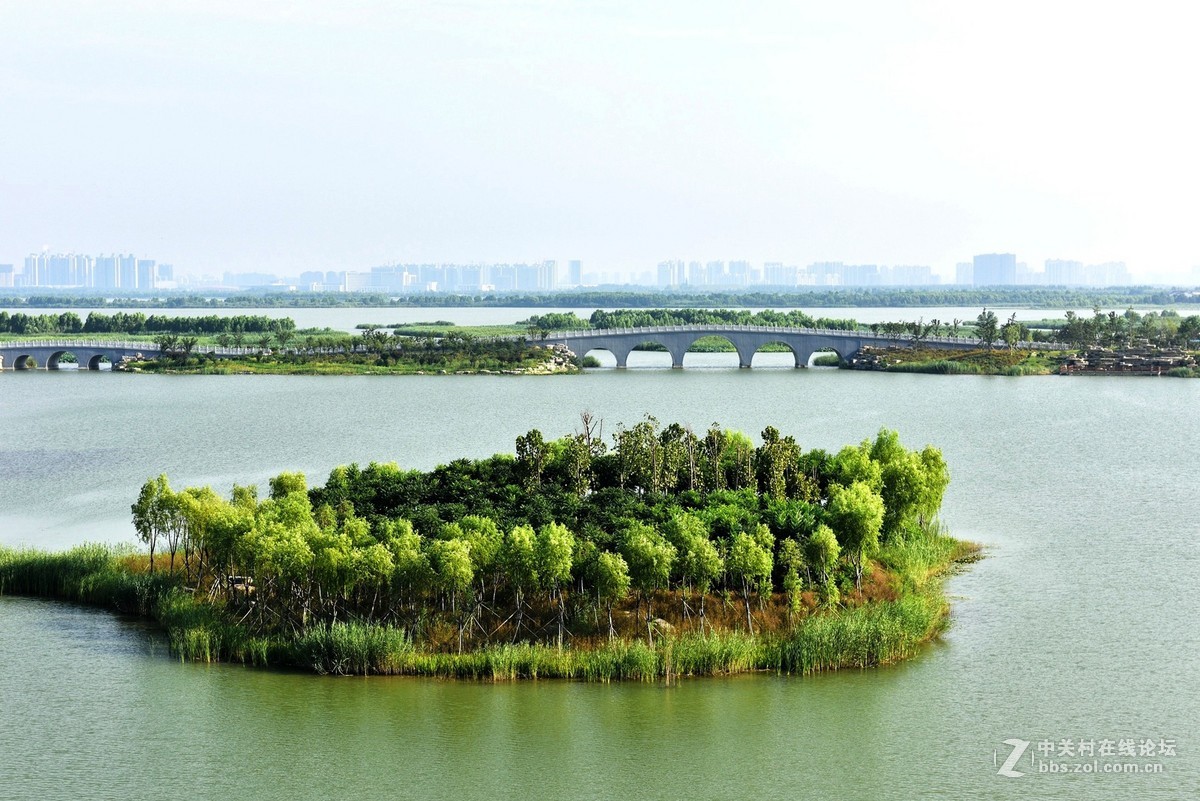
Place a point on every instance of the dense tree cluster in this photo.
(1115, 330)
(138, 323)
(376, 346)
(555, 321)
(524, 547)
(641, 318)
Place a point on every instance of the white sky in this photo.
(223, 134)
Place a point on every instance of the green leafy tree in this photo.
(791, 559)
(774, 460)
(856, 516)
(284, 337)
(531, 457)
(934, 481)
(553, 554)
(412, 572)
(737, 459)
(150, 514)
(486, 541)
(750, 562)
(520, 566)
(576, 455)
(454, 574)
(286, 483)
(650, 558)
(612, 584)
(702, 565)
(987, 327)
(639, 454)
(1012, 332)
(822, 551)
(855, 463)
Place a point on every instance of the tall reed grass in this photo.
(962, 367)
(89, 574)
(863, 636)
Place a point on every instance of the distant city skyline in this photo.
(242, 137)
(126, 272)
(1069, 271)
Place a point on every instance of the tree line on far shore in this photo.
(70, 323)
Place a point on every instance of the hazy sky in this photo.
(228, 134)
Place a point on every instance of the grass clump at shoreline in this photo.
(93, 574)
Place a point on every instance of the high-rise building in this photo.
(528, 277)
(470, 277)
(1110, 273)
(995, 269)
(860, 275)
(739, 273)
(575, 273)
(826, 273)
(35, 269)
(106, 272)
(670, 273)
(59, 271)
(1063, 272)
(776, 273)
(548, 276)
(1027, 277)
(911, 275)
(8, 275)
(83, 270)
(128, 273)
(147, 274)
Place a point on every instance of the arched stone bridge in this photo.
(747, 339)
(88, 353)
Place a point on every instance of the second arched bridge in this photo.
(746, 339)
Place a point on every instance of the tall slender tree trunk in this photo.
(746, 599)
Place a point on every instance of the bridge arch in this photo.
(775, 354)
(824, 350)
(656, 342)
(729, 338)
(96, 360)
(745, 340)
(592, 351)
(25, 361)
(56, 357)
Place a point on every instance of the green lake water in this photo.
(1083, 622)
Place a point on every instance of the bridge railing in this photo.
(115, 344)
(96, 344)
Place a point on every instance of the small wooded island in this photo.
(669, 554)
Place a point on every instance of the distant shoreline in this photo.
(639, 297)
